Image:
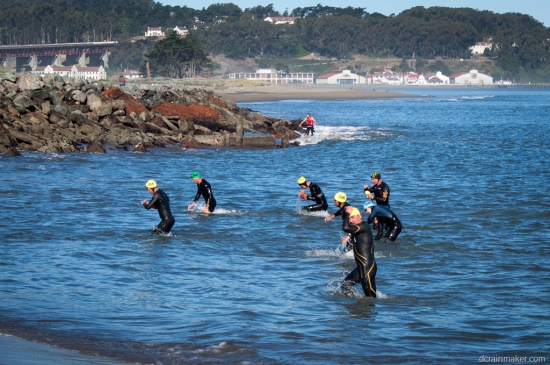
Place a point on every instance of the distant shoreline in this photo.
(252, 94)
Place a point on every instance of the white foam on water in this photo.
(341, 133)
(299, 210)
(356, 291)
(198, 209)
(477, 97)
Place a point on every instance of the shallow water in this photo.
(257, 281)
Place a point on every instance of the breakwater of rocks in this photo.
(53, 115)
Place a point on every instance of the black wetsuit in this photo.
(161, 202)
(205, 190)
(363, 251)
(341, 211)
(381, 197)
(317, 195)
(387, 217)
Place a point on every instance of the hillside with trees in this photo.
(416, 34)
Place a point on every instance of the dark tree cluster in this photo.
(226, 29)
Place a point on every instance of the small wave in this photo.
(477, 97)
(299, 210)
(342, 133)
(329, 253)
(356, 291)
(198, 209)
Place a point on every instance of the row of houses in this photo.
(157, 31)
(346, 77)
(388, 77)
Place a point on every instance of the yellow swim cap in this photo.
(354, 211)
(301, 180)
(340, 197)
(151, 184)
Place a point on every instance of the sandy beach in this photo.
(250, 94)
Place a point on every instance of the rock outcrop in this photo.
(52, 115)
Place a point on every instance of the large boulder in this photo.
(96, 147)
(22, 102)
(6, 139)
(191, 143)
(30, 82)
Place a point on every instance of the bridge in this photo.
(27, 57)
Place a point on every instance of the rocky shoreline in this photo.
(52, 115)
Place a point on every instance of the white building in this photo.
(415, 79)
(154, 32)
(387, 77)
(63, 71)
(438, 79)
(480, 47)
(471, 77)
(344, 77)
(281, 19)
(182, 31)
(75, 72)
(94, 73)
(270, 75)
(132, 74)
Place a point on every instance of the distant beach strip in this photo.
(277, 93)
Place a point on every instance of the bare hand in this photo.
(329, 218)
(144, 202)
(190, 206)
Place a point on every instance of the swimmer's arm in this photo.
(330, 217)
(152, 202)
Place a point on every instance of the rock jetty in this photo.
(51, 115)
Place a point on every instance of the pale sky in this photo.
(538, 9)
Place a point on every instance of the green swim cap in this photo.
(195, 175)
(375, 175)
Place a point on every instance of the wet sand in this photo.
(14, 350)
(313, 92)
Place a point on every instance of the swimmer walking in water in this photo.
(204, 189)
(315, 194)
(363, 251)
(160, 202)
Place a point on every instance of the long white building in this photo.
(344, 77)
(270, 75)
(472, 77)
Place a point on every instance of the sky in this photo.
(538, 9)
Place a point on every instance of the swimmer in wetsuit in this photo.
(363, 251)
(204, 189)
(385, 216)
(379, 192)
(339, 202)
(315, 194)
(161, 202)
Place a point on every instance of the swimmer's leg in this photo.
(314, 208)
(350, 280)
(368, 282)
(212, 205)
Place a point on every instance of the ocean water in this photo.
(257, 282)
